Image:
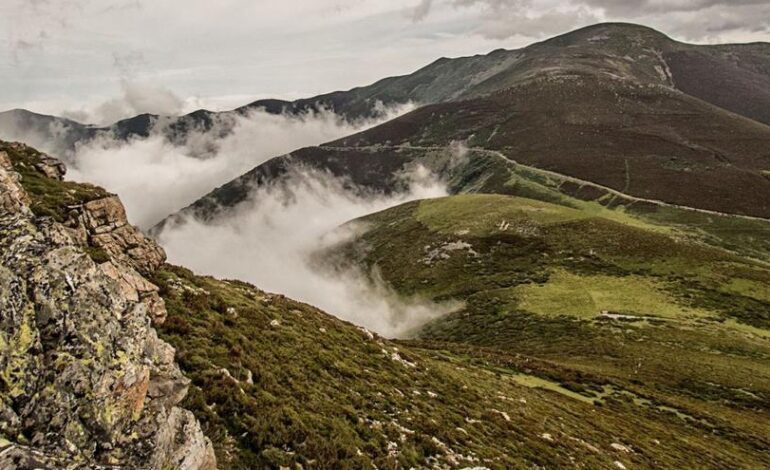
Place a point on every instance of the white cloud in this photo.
(421, 10)
(271, 239)
(155, 178)
(137, 98)
(80, 50)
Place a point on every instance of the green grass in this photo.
(587, 296)
(326, 395)
(692, 338)
(50, 197)
(533, 381)
(747, 237)
(482, 214)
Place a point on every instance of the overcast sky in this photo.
(99, 60)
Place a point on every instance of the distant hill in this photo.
(733, 77)
(608, 105)
(577, 321)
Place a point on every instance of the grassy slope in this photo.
(49, 196)
(326, 394)
(594, 290)
(324, 417)
(488, 173)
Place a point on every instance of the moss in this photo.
(50, 197)
(17, 358)
(333, 399)
(97, 254)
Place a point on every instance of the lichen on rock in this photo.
(106, 226)
(84, 378)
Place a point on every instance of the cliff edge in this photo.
(84, 378)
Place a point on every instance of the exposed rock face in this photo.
(102, 223)
(51, 167)
(84, 379)
(12, 198)
(107, 228)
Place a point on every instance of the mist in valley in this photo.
(271, 239)
(155, 177)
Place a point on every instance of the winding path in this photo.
(495, 153)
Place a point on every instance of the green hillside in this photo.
(279, 383)
(650, 308)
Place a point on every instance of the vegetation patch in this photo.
(590, 296)
(50, 197)
(476, 214)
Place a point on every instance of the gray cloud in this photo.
(643, 7)
(696, 20)
(70, 54)
(501, 19)
(140, 98)
(128, 63)
(421, 10)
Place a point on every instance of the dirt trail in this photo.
(554, 174)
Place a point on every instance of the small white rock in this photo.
(620, 447)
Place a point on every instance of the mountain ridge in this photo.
(274, 382)
(604, 104)
(449, 79)
(604, 247)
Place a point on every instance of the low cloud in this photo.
(271, 239)
(155, 177)
(136, 97)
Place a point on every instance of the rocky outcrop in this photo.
(84, 379)
(12, 198)
(102, 223)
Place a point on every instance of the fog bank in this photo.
(269, 241)
(155, 177)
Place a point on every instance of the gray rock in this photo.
(84, 379)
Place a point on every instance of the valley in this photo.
(563, 255)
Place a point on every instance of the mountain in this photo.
(273, 382)
(605, 241)
(57, 135)
(607, 105)
(737, 80)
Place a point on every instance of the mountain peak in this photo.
(604, 32)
